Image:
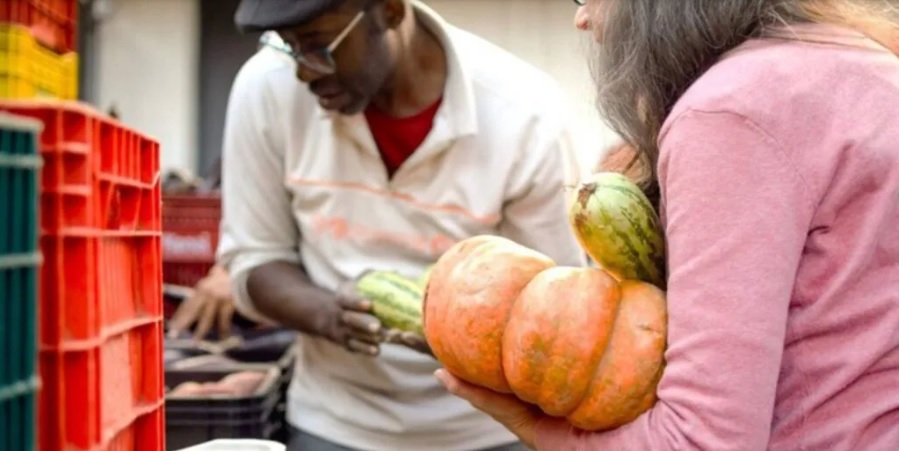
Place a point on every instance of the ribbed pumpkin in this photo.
(470, 292)
(574, 341)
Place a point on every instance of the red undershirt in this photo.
(398, 137)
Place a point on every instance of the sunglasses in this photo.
(320, 60)
(580, 2)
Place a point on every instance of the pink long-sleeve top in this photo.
(780, 177)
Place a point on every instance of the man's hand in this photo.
(354, 326)
(410, 340)
(358, 330)
(211, 303)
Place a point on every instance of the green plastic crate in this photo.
(20, 261)
(17, 412)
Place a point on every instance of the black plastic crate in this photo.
(279, 348)
(195, 420)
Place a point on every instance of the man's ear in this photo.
(394, 12)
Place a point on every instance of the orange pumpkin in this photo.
(469, 294)
(574, 341)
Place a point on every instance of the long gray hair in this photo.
(653, 50)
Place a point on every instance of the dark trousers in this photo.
(302, 441)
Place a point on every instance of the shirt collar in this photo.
(458, 99)
(458, 111)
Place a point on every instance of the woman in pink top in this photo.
(771, 128)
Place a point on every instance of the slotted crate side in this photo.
(147, 432)
(95, 286)
(53, 23)
(98, 173)
(91, 397)
(19, 265)
(100, 222)
(101, 308)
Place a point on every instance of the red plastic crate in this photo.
(97, 173)
(100, 323)
(96, 285)
(98, 398)
(54, 23)
(190, 235)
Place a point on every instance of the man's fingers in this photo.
(416, 342)
(407, 339)
(355, 303)
(356, 345)
(225, 313)
(413, 339)
(206, 320)
(372, 339)
(185, 316)
(362, 322)
(393, 336)
(348, 298)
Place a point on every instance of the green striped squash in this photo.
(396, 300)
(618, 227)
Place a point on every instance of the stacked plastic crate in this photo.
(19, 266)
(190, 224)
(38, 53)
(100, 321)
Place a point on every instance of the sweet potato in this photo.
(243, 383)
(187, 389)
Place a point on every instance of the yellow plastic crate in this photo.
(28, 70)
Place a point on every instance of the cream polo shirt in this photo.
(307, 186)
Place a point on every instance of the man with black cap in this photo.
(403, 136)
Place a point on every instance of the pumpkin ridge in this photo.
(603, 363)
(601, 366)
(625, 378)
(608, 340)
(547, 362)
(605, 353)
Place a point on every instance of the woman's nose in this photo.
(582, 19)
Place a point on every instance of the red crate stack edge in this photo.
(53, 23)
(100, 320)
(190, 235)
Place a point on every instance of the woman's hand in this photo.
(520, 418)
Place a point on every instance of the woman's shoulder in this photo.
(826, 108)
(806, 69)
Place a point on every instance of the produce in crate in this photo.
(618, 228)
(242, 383)
(396, 300)
(586, 344)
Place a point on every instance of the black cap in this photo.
(263, 15)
